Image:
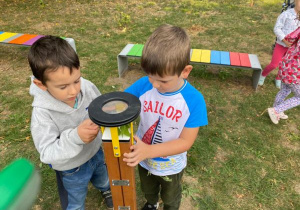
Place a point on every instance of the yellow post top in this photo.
(115, 141)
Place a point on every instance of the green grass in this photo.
(239, 161)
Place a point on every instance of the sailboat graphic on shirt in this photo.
(153, 136)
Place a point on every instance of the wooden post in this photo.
(121, 176)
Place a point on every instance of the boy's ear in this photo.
(186, 71)
(39, 84)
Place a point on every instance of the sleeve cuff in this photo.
(74, 135)
(281, 37)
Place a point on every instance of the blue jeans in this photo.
(76, 180)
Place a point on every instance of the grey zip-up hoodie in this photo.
(54, 128)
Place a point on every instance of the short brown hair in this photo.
(166, 52)
(48, 54)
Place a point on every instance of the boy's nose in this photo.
(155, 84)
(72, 90)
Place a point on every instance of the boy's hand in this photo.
(288, 44)
(139, 153)
(87, 131)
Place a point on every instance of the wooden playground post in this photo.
(121, 176)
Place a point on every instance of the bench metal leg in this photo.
(255, 77)
(71, 42)
(122, 64)
(255, 64)
(123, 60)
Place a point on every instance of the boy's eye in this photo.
(77, 81)
(63, 87)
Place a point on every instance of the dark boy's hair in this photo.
(166, 52)
(48, 54)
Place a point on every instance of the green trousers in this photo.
(169, 188)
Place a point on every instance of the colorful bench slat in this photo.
(22, 39)
(12, 38)
(245, 61)
(196, 55)
(33, 40)
(1, 32)
(140, 51)
(215, 57)
(200, 56)
(6, 35)
(235, 59)
(225, 58)
(135, 49)
(126, 50)
(205, 56)
(255, 64)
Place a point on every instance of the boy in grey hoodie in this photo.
(63, 134)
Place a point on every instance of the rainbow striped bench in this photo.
(204, 57)
(26, 39)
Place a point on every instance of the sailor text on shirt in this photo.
(158, 107)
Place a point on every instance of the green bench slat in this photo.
(135, 50)
(140, 51)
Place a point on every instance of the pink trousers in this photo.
(278, 53)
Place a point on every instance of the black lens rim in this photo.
(101, 118)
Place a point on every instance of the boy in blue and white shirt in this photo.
(172, 112)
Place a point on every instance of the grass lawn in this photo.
(239, 161)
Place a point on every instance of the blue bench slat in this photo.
(225, 58)
(215, 57)
(1, 32)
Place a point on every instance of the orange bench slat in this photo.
(22, 39)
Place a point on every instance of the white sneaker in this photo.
(261, 80)
(278, 83)
(273, 115)
(283, 116)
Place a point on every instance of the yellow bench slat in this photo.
(205, 56)
(6, 35)
(196, 55)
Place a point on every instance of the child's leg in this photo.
(63, 194)
(171, 191)
(282, 94)
(100, 176)
(278, 53)
(76, 182)
(150, 185)
(291, 102)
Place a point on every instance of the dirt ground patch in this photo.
(133, 73)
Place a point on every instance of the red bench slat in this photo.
(234, 59)
(245, 61)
